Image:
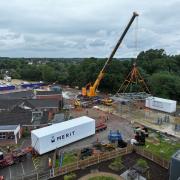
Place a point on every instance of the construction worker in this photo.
(50, 162)
(8, 149)
(97, 137)
(107, 118)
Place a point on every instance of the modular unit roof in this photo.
(160, 99)
(41, 132)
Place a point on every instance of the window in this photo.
(3, 135)
(11, 136)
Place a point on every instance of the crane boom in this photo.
(92, 89)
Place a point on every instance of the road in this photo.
(18, 170)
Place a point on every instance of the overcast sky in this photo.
(86, 28)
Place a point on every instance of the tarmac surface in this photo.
(113, 123)
(17, 170)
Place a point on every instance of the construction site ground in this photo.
(41, 162)
(116, 120)
(134, 114)
(113, 123)
(144, 117)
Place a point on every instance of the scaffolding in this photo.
(136, 96)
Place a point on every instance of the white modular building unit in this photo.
(57, 135)
(161, 104)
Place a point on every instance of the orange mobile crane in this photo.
(90, 90)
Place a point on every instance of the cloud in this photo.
(83, 28)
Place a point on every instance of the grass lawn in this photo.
(163, 149)
(68, 159)
(101, 178)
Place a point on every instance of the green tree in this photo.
(166, 85)
(48, 74)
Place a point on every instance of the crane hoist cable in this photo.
(134, 76)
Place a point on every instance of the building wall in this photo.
(8, 138)
(56, 96)
(51, 111)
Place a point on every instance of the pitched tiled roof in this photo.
(20, 116)
(7, 104)
(46, 93)
(18, 95)
(15, 118)
(42, 103)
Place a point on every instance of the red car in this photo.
(2, 178)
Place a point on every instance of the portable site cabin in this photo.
(57, 135)
(161, 104)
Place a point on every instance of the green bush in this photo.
(68, 159)
(142, 163)
(26, 133)
(116, 165)
(70, 176)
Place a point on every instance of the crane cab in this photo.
(88, 92)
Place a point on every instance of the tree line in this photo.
(160, 71)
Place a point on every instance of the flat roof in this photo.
(177, 155)
(41, 132)
(8, 127)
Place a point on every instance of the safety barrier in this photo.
(95, 159)
(149, 155)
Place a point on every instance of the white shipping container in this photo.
(161, 104)
(57, 135)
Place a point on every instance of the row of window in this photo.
(3, 135)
